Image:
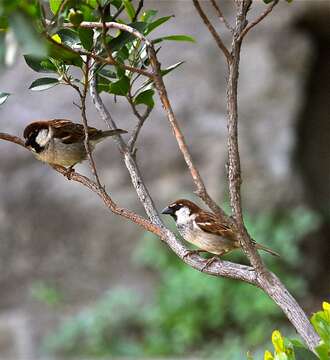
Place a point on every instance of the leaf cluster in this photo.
(292, 349)
(58, 45)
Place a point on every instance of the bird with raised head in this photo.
(204, 230)
(61, 142)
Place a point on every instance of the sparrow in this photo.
(61, 142)
(204, 230)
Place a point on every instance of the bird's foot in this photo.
(69, 172)
(193, 252)
(208, 262)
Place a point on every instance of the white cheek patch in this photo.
(183, 215)
(43, 137)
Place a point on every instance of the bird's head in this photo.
(37, 135)
(181, 210)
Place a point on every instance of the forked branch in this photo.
(267, 280)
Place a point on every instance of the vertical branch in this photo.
(266, 280)
(234, 165)
(83, 96)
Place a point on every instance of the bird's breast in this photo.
(206, 241)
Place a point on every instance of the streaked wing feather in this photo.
(70, 132)
(210, 224)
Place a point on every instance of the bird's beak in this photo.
(168, 211)
(27, 142)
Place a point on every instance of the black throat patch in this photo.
(31, 141)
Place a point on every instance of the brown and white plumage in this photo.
(203, 229)
(61, 141)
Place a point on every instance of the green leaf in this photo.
(175, 38)
(26, 34)
(156, 24)
(76, 17)
(145, 97)
(148, 15)
(289, 1)
(120, 87)
(65, 55)
(86, 38)
(107, 73)
(149, 83)
(267, 1)
(116, 3)
(103, 84)
(129, 9)
(124, 37)
(171, 68)
(41, 65)
(55, 5)
(69, 37)
(3, 97)
(323, 351)
(43, 84)
(304, 354)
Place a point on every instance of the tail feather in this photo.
(113, 132)
(264, 248)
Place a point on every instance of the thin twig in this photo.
(201, 189)
(212, 30)
(221, 16)
(119, 11)
(138, 9)
(141, 119)
(257, 20)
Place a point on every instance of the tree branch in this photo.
(257, 20)
(220, 15)
(201, 189)
(212, 30)
(141, 119)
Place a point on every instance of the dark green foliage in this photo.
(68, 46)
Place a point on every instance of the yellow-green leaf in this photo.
(268, 355)
(55, 5)
(277, 341)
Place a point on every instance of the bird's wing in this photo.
(70, 132)
(209, 223)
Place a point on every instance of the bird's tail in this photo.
(113, 132)
(264, 248)
(101, 135)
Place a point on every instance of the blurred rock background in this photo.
(56, 235)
